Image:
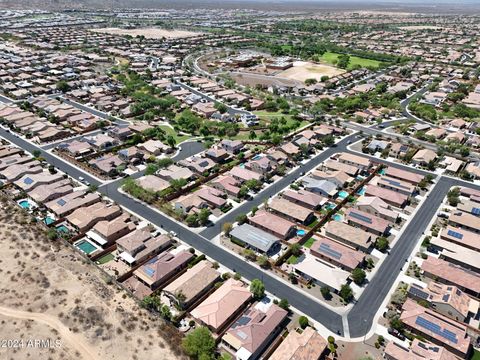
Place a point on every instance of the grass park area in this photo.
(178, 138)
(267, 116)
(332, 58)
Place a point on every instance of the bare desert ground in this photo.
(149, 33)
(303, 70)
(49, 292)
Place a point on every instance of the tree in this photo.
(325, 291)
(165, 312)
(346, 293)
(310, 81)
(241, 219)
(151, 303)
(284, 304)
(222, 108)
(200, 343)
(92, 188)
(358, 276)
(296, 249)
(382, 244)
(250, 254)
(36, 153)
(171, 141)
(257, 289)
(52, 234)
(227, 227)
(396, 323)
(203, 216)
(62, 86)
(303, 321)
(263, 261)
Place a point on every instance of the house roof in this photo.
(355, 159)
(215, 310)
(436, 326)
(465, 219)
(462, 237)
(268, 220)
(418, 351)
(452, 273)
(386, 194)
(378, 204)
(336, 251)
(290, 209)
(254, 236)
(306, 197)
(306, 345)
(367, 220)
(349, 233)
(194, 281)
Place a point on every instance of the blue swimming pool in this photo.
(330, 206)
(343, 194)
(361, 191)
(48, 220)
(85, 246)
(25, 204)
(300, 232)
(337, 217)
(242, 166)
(257, 157)
(383, 171)
(63, 228)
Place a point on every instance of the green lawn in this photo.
(169, 131)
(475, 355)
(267, 116)
(313, 223)
(309, 242)
(292, 259)
(106, 258)
(331, 58)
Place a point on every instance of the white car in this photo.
(173, 233)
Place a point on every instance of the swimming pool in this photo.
(257, 157)
(361, 191)
(25, 204)
(63, 228)
(343, 194)
(85, 246)
(48, 220)
(242, 166)
(337, 217)
(383, 171)
(330, 206)
(300, 232)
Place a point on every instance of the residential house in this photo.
(139, 245)
(301, 345)
(336, 253)
(273, 224)
(418, 350)
(85, 218)
(424, 157)
(323, 187)
(291, 211)
(307, 199)
(350, 235)
(376, 206)
(389, 196)
(255, 238)
(106, 232)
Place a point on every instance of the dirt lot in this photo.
(303, 70)
(149, 33)
(49, 292)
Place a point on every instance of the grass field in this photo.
(475, 355)
(331, 58)
(267, 116)
(169, 131)
(309, 242)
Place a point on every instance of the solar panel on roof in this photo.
(149, 271)
(446, 297)
(360, 217)
(61, 202)
(455, 234)
(244, 320)
(476, 211)
(418, 293)
(325, 248)
(28, 181)
(436, 329)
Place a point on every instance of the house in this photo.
(101, 141)
(224, 305)
(397, 185)
(254, 330)
(16, 171)
(352, 236)
(424, 157)
(66, 204)
(227, 184)
(174, 172)
(152, 183)
(290, 149)
(359, 162)
(339, 178)
(198, 165)
(241, 174)
(398, 150)
(190, 203)
(389, 196)
(139, 245)
(451, 274)
(273, 224)
(456, 254)
(465, 221)
(447, 300)
(49, 192)
(196, 281)
(76, 149)
(219, 155)
(291, 211)
(232, 146)
(461, 237)
(131, 154)
(85, 218)
(473, 169)
(367, 222)
(404, 175)
(336, 253)
(377, 145)
(31, 181)
(161, 268)
(320, 272)
(153, 147)
(260, 164)
(305, 198)
(305, 345)
(436, 328)
(106, 232)
(419, 350)
(376, 206)
(323, 187)
(255, 238)
(213, 197)
(338, 166)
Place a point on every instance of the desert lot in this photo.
(149, 33)
(51, 293)
(303, 70)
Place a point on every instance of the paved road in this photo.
(187, 149)
(95, 112)
(404, 104)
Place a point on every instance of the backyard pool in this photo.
(337, 217)
(300, 232)
(48, 220)
(330, 206)
(25, 204)
(63, 228)
(383, 171)
(85, 246)
(361, 191)
(242, 166)
(257, 157)
(343, 194)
